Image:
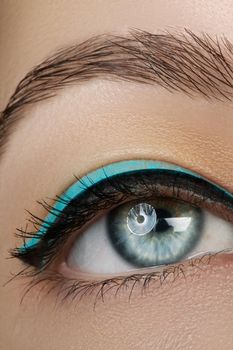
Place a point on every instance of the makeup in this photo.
(108, 172)
(98, 194)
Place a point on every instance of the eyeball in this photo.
(151, 233)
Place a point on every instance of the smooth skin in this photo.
(67, 135)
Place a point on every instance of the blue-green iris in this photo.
(157, 232)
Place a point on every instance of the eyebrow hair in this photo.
(183, 62)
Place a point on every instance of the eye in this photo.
(140, 234)
(127, 216)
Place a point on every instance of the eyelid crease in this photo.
(103, 173)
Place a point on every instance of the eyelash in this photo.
(111, 192)
(72, 289)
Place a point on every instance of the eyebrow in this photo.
(197, 65)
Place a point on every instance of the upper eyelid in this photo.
(104, 173)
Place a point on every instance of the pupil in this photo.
(140, 219)
(162, 224)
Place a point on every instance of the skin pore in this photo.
(94, 123)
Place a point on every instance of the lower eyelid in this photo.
(198, 261)
(137, 284)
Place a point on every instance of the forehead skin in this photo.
(193, 314)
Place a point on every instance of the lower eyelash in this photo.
(66, 289)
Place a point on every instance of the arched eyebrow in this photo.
(184, 62)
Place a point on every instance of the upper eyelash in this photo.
(118, 168)
(84, 212)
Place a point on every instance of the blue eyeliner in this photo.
(99, 175)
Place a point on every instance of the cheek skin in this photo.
(191, 313)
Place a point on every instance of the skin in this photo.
(67, 135)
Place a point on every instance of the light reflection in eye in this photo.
(179, 224)
(141, 219)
